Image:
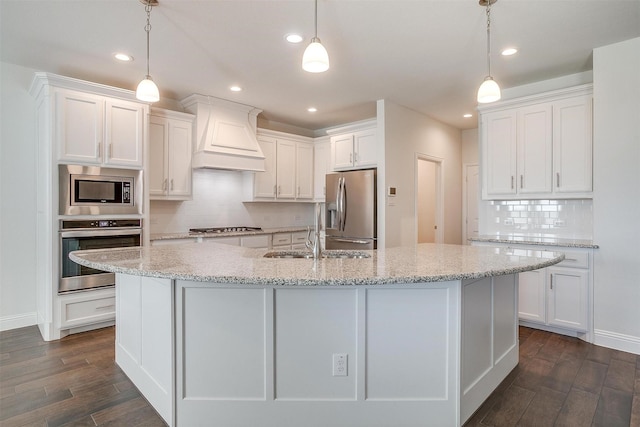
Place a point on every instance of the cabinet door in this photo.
(179, 158)
(304, 171)
(365, 151)
(499, 153)
(342, 152)
(321, 165)
(534, 149)
(531, 296)
(286, 169)
(573, 145)
(158, 134)
(568, 298)
(124, 133)
(79, 126)
(264, 185)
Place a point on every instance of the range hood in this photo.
(225, 134)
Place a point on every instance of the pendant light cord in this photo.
(147, 28)
(315, 37)
(489, 36)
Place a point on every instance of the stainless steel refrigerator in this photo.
(350, 217)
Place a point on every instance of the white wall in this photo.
(406, 134)
(18, 195)
(470, 146)
(616, 199)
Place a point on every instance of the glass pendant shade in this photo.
(489, 91)
(315, 58)
(147, 91)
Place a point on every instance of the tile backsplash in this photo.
(218, 201)
(554, 218)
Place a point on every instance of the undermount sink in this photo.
(325, 254)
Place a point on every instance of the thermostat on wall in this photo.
(391, 191)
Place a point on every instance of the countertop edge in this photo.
(568, 243)
(188, 235)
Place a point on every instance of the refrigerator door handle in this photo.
(344, 203)
(340, 201)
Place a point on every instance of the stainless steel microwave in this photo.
(92, 190)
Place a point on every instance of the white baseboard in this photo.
(18, 321)
(617, 341)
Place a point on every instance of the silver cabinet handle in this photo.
(557, 179)
(355, 158)
(164, 184)
(551, 280)
(171, 184)
(275, 191)
(102, 307)
(298, 190)
(521, 180)
(512, 182)
(279, 190)
(110, 150)
(350, 157)
(99, 150)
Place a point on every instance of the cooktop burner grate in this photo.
(223, 229)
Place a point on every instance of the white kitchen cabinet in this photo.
(568, 297)
(538, 147)
(572, 145)
(355, 150)
(261, 241)
(170, 151)
(532, 304)
(98, 130)
(288, 171)
(321, 165)
(281, 241)
(304, 171)
(85, 308)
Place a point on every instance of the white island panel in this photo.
(311, 325)
(222, 343)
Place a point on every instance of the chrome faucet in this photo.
(314, 245)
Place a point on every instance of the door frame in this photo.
(439, 165)
(465, 174)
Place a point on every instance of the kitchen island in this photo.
(219, 335)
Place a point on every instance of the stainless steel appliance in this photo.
(92, 234)
(92, 190)
(350, 218)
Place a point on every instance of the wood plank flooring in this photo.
(560, 381)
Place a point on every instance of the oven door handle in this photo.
(99, 233)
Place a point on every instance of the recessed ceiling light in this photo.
(235, 89)
(312, 109)
(509, 51)
(293, 38)
(466, 116)
(123, 57)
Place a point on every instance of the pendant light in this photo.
(147, 90)
(315, 58)
(489, 90)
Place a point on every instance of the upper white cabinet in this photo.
(170, 151)
(99, 130)
(321, 165)
(288, 171)
(354, 146)
(538, 147)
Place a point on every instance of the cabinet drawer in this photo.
(575, 259)
(82, 311)
(260, 242)
(281, 239)
(299, 237)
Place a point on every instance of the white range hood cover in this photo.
(225, 135)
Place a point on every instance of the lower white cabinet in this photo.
(86, 308)
(559, 297)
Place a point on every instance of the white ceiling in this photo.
(426, 55)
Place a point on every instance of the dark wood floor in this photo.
(560, 381)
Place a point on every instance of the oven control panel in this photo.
(100, 223)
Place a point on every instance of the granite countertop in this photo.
(188, 235)
(536, 240)
(230, 264)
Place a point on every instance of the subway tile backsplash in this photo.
(218, 201)
(554, 218)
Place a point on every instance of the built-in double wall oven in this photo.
(93, 204)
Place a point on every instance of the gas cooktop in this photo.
(222, 229)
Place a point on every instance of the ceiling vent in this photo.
(225, 134)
